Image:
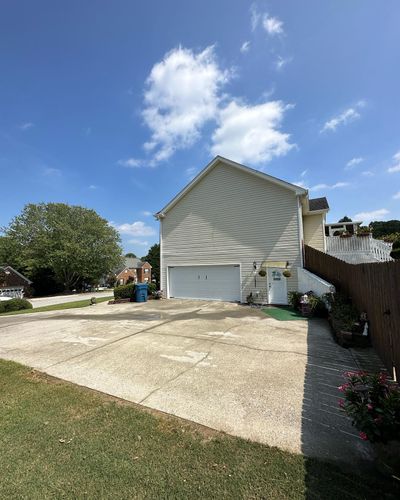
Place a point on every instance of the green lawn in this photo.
(58, 440)
(56, 307)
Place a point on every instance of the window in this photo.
(146, 270)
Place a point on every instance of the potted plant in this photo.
(262, 273)
(372, 402)
(287, 273)
(343, 317)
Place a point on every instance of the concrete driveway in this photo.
(222, 365)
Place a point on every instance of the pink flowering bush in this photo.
(373, 404)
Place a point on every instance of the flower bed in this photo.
(348, 324)
(373, 404)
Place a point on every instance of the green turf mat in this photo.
(283, 313)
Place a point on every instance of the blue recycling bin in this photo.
(141, 292)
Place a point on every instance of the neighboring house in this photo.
(337, 228)
(228, 224)
(134, 270)
(12, 282)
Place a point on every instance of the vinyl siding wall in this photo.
(314, 231)
(232, 217)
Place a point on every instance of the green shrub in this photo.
(343, 314)
(14, 305)
(124, 291)
(294, 299)
(363, 230)
(151, 288)
(318, 306)
(390, 238)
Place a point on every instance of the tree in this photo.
(383, 228)
(72, 243)
(395, 253)
(345, 219)
(130, 255)
(153, 258)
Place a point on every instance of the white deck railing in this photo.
(364, 247)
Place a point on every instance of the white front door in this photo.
(277, 286)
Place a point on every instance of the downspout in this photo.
(301, 230)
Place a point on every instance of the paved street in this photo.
(62, 299)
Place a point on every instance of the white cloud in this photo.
(51, 172)
(396, 164)
(191, 172)
(137, 228)
(26, 126)
(337, 185)
(304, 173)
(248, 133)
(139, 242)
(146, 213)
(182, 94)
(367, 217)
(367, 173)
(347, 116)
(281, 62)
(255, 17)
(300, 183)
(272, 25)
(93, 186)
(245, 47)
(396, 196)
(354, 161)
(131, 163)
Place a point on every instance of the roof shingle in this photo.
(318, 204)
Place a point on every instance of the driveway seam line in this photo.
(217, 341)
(145, 330)
(184, 371)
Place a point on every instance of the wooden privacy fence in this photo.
(373, 288)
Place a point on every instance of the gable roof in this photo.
(219, 159)
(318, 204)
(130, 263)
(133, 262)
(11, 269)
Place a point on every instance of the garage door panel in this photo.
(205, 282)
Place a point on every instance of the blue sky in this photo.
(116, 105)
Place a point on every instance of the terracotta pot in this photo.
(344, 338)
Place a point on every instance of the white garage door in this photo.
(205, 282)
